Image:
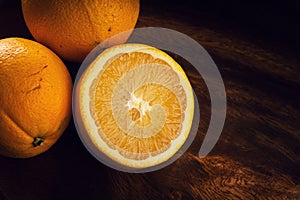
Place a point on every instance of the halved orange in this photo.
(136, 105)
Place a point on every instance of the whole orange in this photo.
(35, 98)
(73, 28)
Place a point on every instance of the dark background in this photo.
(256, 47)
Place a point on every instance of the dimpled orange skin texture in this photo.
(73, 28)
(35, 97)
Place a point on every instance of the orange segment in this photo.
(141, 103)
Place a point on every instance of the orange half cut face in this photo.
(136, 105)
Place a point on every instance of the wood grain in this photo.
(257, 156)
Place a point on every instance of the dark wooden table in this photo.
(256, 47)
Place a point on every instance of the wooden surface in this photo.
(257, 156)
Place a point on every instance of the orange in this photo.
(136, 105)
(73, 28)
(35, 94)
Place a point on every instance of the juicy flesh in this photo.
(138, 105)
